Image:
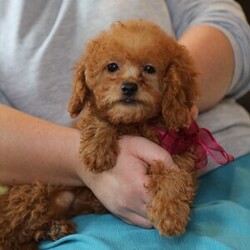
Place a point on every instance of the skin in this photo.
(211, 52)
(35, 147)
(48, 152)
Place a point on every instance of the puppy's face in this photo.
(124, 72)
(128, 90)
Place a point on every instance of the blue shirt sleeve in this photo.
(227, 16)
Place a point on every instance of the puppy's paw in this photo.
(168, 221)
(99, 156)
(173, 192)
(61, 228)
(97, 163)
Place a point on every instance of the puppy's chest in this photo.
(146, 130)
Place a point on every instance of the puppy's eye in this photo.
(112, 67)
(149, 69)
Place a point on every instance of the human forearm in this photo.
(214, 60)
(34, 149)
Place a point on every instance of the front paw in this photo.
(61, 228)
(99, 156)
(173, 192)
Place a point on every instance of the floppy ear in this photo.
(79, 90)
(181, 90)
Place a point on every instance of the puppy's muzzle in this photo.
(129, 89)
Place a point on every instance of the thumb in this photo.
(149, 152)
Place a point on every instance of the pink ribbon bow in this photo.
(201, 138)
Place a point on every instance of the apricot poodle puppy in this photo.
(132, 79)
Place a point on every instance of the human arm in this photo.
(215, 56)
(213, 31)
(34, 149)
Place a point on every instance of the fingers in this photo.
(138, 207)
(137, 213)
(128, 195)
(151, 152)
(135, 219)
(135, 216)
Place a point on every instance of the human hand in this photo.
(122, 189)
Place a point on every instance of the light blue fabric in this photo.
(220, 219)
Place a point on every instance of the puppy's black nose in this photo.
(129, 88)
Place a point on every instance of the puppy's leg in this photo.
(29, 246)
(85, 202)
(173, 192)
(98, 148)
(31, 213)
(66, 202)
(26, 215)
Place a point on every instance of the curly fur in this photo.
(30, 213)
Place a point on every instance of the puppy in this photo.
(132, 79)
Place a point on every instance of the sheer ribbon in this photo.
(203, 141)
